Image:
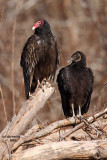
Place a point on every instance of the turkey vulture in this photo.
(39, 57)
(75, 83)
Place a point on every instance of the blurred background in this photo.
(77, 25)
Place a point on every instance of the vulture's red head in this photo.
(37, 24)
(41, 26)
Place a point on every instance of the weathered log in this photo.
(30, 109)
(43, 132)
(56, 125)
(25, 116)
(96, 149)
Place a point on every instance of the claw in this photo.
(40, 85)
(30, 95)
(44, 81)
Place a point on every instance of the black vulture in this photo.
(39, 58)
(75, 83)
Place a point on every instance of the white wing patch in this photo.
(39, 42)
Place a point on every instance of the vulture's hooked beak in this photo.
(70, 60)
(33, 28)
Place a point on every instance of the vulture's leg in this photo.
(42, 83)
(79, 114)
(44, 79)
(38, 83)
(33, 87)
(30, 95)
(79, 111)
(73, 110)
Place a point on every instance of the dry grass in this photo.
(4, 107)
(13, 66)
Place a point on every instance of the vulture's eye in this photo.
(39, 23)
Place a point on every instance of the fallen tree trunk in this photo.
(96, 149)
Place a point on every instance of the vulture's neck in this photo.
(78, 65)
(44, 34)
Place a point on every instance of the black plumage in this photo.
(39, 57)
(75, 83)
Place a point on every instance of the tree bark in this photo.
(64, 150)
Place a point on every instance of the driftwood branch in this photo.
(54, 126)
(30, 109)
(65, 150)
(25, 116)
(34, 135)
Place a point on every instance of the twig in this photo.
(4, 107)
(90, 120)
(8, 150)
(13, 43)
(101, 88)
(92, 138)
(5, 82)
(1, 19)
(19, 97)
(97, 134)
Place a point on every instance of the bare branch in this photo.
(44, 131)
(90, 120)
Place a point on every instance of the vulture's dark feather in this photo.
(39, 57)
(75, 83)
